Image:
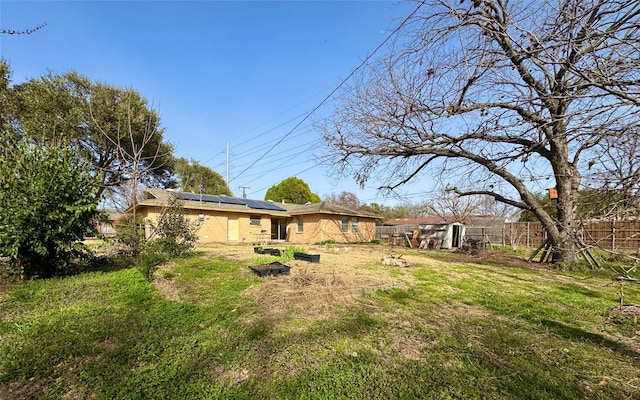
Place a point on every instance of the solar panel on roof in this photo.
(262, 205)
(190, 196)
(254, 204)
(208, 198)
(221, 199)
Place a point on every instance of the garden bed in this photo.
(271, 269)
(314, 258)
(270, 251)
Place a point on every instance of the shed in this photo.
(443, 235)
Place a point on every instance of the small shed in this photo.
(443, 235)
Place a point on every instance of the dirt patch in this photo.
(501, 258)
(165, 287)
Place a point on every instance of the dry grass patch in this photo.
(317, 286)
(165, 287)
(338, 279)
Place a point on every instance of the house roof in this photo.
(325, 208)
(160, 197)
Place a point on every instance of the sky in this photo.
(240, 74)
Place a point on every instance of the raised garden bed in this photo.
(271, 269)
(314, 258)
(272, 252)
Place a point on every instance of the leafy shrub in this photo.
(287, 254)
(176, 236)
(47, 203)
(151, 255)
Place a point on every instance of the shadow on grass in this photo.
(580, 335)
(572, 288)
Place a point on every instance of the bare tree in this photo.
(614, 179)
(347, 199)
(501, 97)
(452, 205)
(135, 161)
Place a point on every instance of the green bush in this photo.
(151, 255)
(176, 236)
(287, 254)
(47, 203)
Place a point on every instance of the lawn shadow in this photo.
(575, 288)
(580, 335)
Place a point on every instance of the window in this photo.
(354, 224)
(345, 224)
(300, 225)
(254, 220)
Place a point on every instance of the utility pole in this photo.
(244, 193)
(227, 164)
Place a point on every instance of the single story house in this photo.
(320, 222)
(238, 220)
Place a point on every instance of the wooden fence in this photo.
(610, 235)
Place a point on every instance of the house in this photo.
(238, 220)
(105, 225)
(320, 222)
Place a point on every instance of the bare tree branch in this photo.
(498, 93)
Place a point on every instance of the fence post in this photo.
(613, 235)
(528, 233)
(511, 234)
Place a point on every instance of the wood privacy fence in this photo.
(610, 235)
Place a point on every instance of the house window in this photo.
(345, 224)
(354, 224)
(300, 225)
(254, 220)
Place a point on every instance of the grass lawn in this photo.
(454, 328)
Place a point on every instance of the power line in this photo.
(345, 80)
(296, 174)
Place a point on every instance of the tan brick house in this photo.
(319, 222)
(237, 220)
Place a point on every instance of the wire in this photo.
(330, 95)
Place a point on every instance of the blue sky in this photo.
(243, 73)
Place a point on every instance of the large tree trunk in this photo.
(562, 236)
